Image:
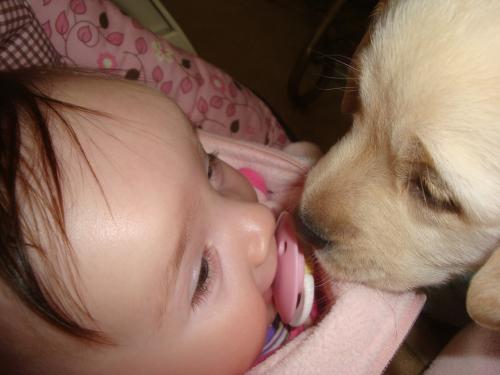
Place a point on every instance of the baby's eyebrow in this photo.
(180, 246)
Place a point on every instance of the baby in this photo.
(125, 247)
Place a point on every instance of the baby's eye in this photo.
(203, 282)
(213, 163)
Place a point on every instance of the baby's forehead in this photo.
(123, 120)
(117, 97)
(112, 112)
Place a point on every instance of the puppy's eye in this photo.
(432, 192)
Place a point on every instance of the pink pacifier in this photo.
(293, 286)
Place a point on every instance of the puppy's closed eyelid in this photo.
(431, 190)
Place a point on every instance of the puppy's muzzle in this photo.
(309, 233)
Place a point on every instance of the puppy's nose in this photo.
(308, 232)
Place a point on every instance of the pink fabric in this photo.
(473, 350)
(95, 34)
(255, 179)
(364, 327)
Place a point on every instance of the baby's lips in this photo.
(293, 302)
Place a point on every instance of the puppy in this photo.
(411, 196)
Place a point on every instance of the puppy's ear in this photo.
(350, 100)
(483, 296)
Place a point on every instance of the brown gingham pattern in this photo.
(23, 42)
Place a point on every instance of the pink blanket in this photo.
(364, 327)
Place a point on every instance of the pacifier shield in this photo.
(289, 280)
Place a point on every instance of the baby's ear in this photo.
(483, 296)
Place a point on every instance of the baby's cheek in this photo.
(244, 334)
(225, 340)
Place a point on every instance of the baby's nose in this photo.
(260, 228)
(261, 250)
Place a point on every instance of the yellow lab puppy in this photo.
(411, 196)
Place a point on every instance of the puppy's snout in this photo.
(309, 233)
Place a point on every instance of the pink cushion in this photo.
(96, 34)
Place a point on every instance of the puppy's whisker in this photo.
(332, 77)
(348, 66)
(346, 89)
(323, 282)
(329, 77)
(337, 59)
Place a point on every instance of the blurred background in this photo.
(261, 44)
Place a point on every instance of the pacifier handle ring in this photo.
(306, 302)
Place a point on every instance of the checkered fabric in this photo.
(23, 42)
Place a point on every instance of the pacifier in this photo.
(293, 286)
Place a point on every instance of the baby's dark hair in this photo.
(30, 187)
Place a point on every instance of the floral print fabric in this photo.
(95, 34)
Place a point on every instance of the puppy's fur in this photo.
(411, 196)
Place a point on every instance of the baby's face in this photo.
(175, 256)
